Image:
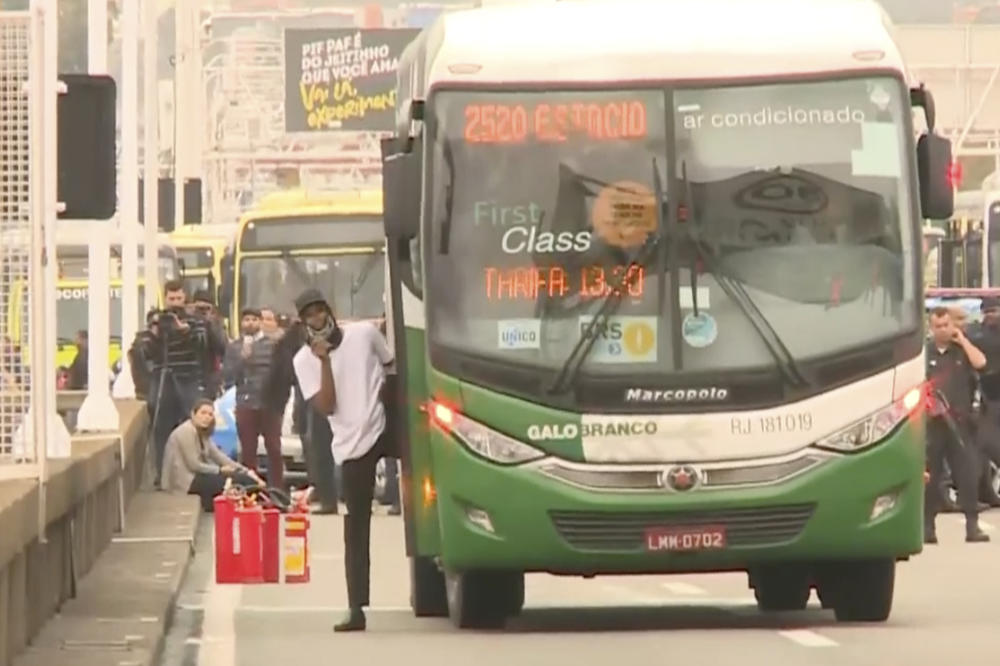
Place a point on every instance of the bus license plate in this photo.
(707, 537)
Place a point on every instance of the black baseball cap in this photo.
(253, 312)
(202, 296)
(308, 297)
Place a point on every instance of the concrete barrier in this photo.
(82, 513)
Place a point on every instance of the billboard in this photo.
(342, 79)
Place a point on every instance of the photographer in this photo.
(175, 347)
(204, 307)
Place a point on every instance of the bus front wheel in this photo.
(427, 588)
(483, 599)
(781, 588)
(863, 591)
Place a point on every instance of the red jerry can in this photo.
(271, 546)
(251, 521)
(296, 548)
(227, 541)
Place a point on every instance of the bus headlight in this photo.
(874, 427)
(482, 440)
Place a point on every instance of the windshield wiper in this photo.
(293, 267)
(734, 289)
(571, 368)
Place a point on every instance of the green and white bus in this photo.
(656, 297)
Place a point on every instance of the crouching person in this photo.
(193, 464)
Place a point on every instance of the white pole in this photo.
(128, 195)
(182, 17)
(57, 441)
(98, 412)
(151, 152)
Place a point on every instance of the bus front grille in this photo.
(626, 531)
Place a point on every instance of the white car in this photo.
(295, 460)
(291, 444)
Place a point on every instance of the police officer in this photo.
(951, 364)
(986, 336)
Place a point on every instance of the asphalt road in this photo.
(947, 611)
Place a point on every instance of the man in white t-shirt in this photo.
(341, 371)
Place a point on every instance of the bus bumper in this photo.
(494, 517)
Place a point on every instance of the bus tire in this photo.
(864, 591)
(515, 594)
(781, 588)
(427, 589)
(479, 599)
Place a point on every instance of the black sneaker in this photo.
(355, 621)
(973, 534)
(395, 510)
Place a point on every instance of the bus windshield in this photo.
(798, 193)
(352, 283)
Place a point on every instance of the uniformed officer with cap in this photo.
(951, 364)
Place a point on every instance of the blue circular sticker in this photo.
(699, 330)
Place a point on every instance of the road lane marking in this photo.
(808, 638)
(326, 557)
(683, 589)
(218, 627)
(286, 609)
(639, 598)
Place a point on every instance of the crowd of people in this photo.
(183, 361)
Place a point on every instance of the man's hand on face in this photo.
(321, 348)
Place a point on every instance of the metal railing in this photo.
(19, 68)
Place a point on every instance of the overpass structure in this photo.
(961, 64)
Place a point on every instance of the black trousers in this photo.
(169, 405)
(210, 486)
(988, 446)
(319, 457)
(358, 477)
(943, 445)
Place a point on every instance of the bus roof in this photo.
(301, 203)
(199, 235)
(629, 40)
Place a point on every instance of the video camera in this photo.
(165, 320)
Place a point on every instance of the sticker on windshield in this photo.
(879, 152)
(701, 295)
(624, 214)
(699, 330)
(623, 340)
(519, 333)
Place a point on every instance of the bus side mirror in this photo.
(401, 185)
(937, 198)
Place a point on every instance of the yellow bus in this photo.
(200, 248)
(73, 296)
(297, 239)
